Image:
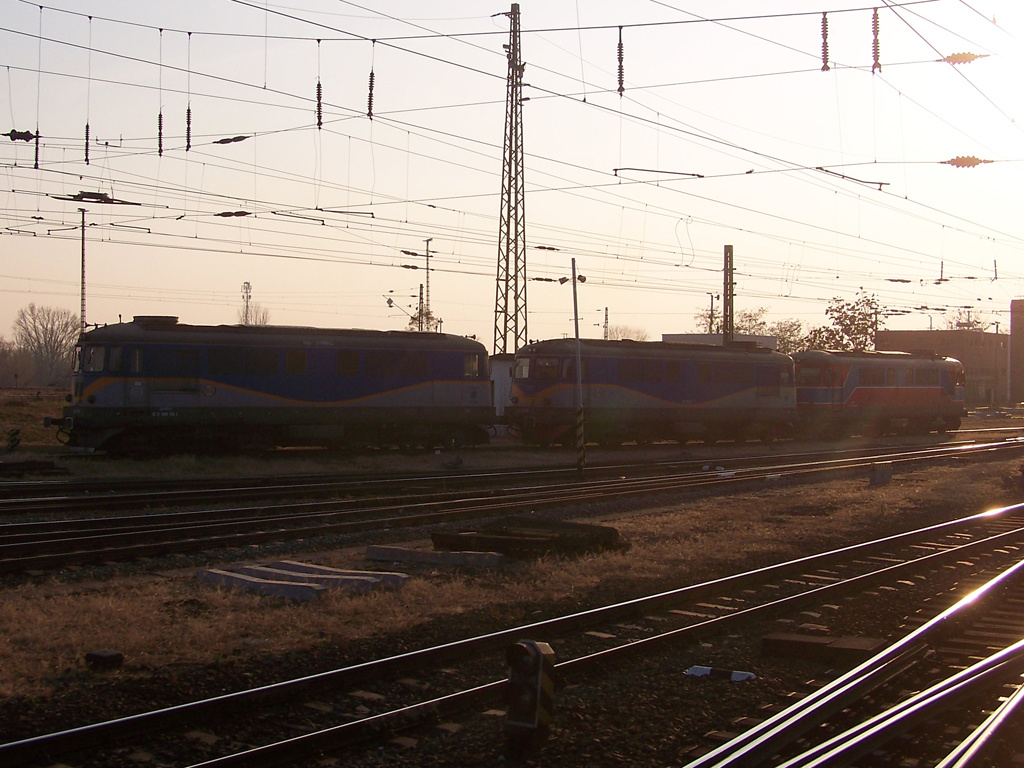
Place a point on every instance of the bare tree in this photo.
(750, 321)
(258, 314)
(627, 332)
(49, 335)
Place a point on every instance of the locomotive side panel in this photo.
(641, 391)
(275, 387)
(842, 393)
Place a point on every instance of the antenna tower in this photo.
(510, 296)
(246, 298)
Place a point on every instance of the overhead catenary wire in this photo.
(553, 188)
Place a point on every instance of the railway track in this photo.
(50, 544)
(293, 722)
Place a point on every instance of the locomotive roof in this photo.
(625, 347)
(826, 355)
(169, 330)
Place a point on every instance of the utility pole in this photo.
(427, 304)
(510, 293)
(727, 298)
(581, 443)
(82, 211)
(711, 314)
(606, 323)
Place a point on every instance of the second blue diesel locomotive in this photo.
(155, 383)
(646, 391)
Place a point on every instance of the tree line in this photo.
(39, 352)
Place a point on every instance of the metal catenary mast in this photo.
(510, 297)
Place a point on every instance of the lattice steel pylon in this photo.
(510, 296)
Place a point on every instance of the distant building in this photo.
(768, 342)
(985, 357)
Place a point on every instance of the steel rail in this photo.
(224, 530)
(14, 532)
(764, 740)
(865, 737)
(980, 741)
(16, 753)
(23, 497)
(135, 541)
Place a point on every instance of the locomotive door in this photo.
(136, 388)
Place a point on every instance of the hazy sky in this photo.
(727, 131)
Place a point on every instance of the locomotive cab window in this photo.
(545, 369)
(92, 358)
(926, 377)
(809, 377)
(522, 368)
(114, 359)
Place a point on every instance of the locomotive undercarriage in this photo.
(125, 433)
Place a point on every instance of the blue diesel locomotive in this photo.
(646, 391)
(155, 383)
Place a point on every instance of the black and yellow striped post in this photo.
(581, 450)
(530, 696)
(581, 443)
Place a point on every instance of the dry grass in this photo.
(172, 619)
(24, 409)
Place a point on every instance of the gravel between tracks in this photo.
(649, 714)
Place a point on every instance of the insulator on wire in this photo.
(621, 69)
(824, 42)
(369, 100)
(160, 133)
(874, 46)
(963, 58)
(319, 105)
(965, 161)
(15, 135)
(86, 143)
(36, 166)
(188, 128)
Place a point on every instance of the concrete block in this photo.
(387, 578)
(287, 589)
(362, 584)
